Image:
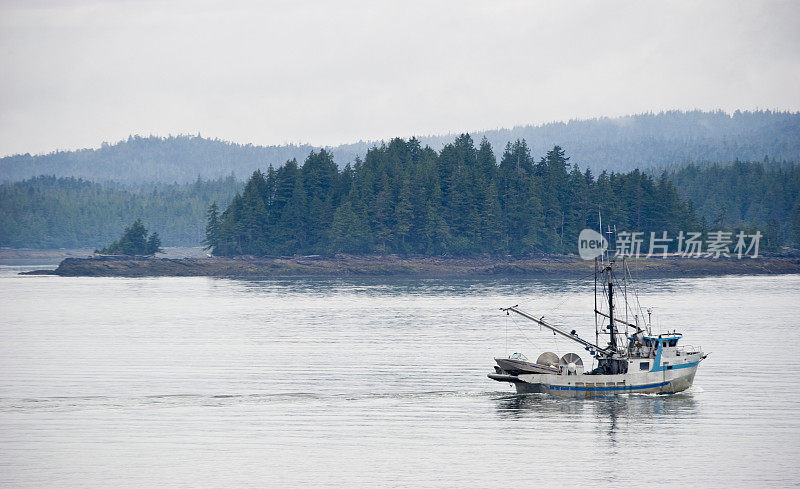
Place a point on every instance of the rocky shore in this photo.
(393, 265)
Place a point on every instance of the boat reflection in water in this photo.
(635, 417)
(640, 407)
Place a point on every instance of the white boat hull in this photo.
(585, 385)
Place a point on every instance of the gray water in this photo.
(196, 382)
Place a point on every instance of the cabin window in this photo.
(644, 365)
(673, 343)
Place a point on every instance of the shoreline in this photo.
(556, 266)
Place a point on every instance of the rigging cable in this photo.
(521, 332)
(635, 294)
(565, 299)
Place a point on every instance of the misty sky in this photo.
(76, 73)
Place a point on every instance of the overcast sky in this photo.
(77, 73)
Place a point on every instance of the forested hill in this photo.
(49, 212)
(390, 201)
(404, 198)
(763, 195)
(174, 159)
(613, 144)
(649, 141)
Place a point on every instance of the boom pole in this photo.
(555, 329)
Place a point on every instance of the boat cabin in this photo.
(641, 346)
(661, 352)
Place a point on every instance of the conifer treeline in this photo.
(408, 199)
(760, 195)
(50, 212)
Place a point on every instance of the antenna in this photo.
(625, 290)
(610, 233)
(602, 257)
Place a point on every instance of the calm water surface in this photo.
(195, 382)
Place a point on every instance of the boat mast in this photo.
(612, 327)
(596, 269)
(596, 329)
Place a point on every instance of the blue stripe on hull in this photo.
(672, 367)
(613, 388)
(657, 367)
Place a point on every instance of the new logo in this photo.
(591, 244)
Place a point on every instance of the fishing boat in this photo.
(633, 361)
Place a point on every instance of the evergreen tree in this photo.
(321, 181)
(552, 173)
(523, 217)
(292, 228)
(211, 241)
(154, 244)
(348, 233)
(134, 241)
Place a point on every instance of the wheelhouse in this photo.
(664, 341)
(642, 346)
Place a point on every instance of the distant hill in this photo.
(659, 140)
(49, 212)
(152, 159)
(619, 144)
